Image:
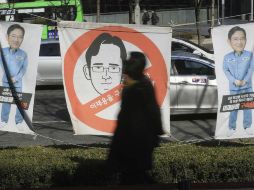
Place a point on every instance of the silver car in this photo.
(50, 64)
(193, 87)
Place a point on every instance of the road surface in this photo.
(52, 123)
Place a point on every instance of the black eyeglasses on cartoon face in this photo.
(112, 68)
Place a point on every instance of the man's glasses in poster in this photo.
(111, 69)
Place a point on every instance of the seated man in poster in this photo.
(16, 62)
(238, 68)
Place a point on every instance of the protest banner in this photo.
(234, 72)
(92, 70)
(20, 45)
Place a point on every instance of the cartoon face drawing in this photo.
(104, 62)
(106, 74)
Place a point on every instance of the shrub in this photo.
(34, 167)
(204, 164)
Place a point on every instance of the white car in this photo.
(188, 46)
(193, 87)
(50, 64)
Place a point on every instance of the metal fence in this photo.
(166, 17)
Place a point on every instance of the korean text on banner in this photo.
(234, 65)
(20, 45)
(92, 70)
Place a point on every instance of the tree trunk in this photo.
(130, 12)
(197, 11)
(213, 16)
(197, 24)
(98, 11)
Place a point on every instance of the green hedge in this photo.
(36, 167)
(231, 162)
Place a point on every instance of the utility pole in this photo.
(137, 12)
(98, 11)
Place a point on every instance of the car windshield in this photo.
(179, 53)
(192, 67)
(201, 47)
(50, 49)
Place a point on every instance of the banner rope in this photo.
(194, 140)
(45, 18)
(57, 140)
(171, 23)
(173, 26)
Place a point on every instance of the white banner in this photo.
(20, 49)
(233, 47)
(92, 87)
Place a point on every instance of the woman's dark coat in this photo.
(138, 127)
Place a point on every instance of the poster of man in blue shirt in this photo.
(238, 68)
(16, 61)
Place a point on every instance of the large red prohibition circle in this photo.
(157, 71)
